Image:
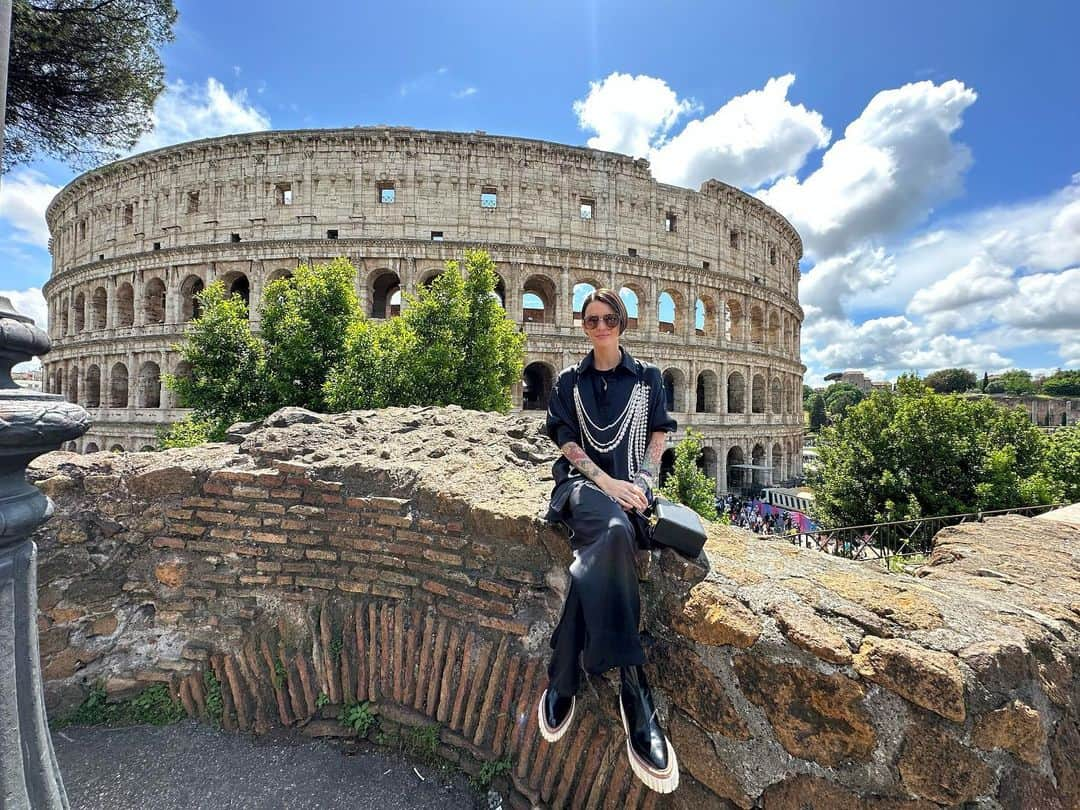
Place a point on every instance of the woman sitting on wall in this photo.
(608, 415)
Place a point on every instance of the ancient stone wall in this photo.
(397, 556)
(135, 240)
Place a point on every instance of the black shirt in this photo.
(604, 394)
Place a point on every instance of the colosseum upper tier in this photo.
(714, 273)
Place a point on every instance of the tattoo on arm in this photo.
(580, 459)
(653, 453)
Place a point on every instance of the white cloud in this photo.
(465, 92)
(1046, 301)
(895, 161)
(24, 196)
(980, 280)
(628, 113)
(31, 303)
(750, 140)
(186, 112)
(834, 281)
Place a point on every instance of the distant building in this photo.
(859, 380)
(1044, 411)
(28, 379)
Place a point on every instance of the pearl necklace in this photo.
(633, 421)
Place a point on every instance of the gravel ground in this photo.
(189, 767)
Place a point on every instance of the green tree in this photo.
(818, 417)
(839, 397)
(687, 484)
(985, 382)
(227, 379)
(1017, 382)
(1062, 384)
(951, 380)
(303, 327)
(807, 393)
(1062, 463)
(83, 76)
(912, 453)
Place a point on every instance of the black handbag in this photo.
(678, 527)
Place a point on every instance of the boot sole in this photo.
(661, 781)
(554, 734)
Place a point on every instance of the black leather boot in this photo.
(556, 712)
(651, 756)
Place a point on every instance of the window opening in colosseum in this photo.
(667, 464)
(385, 193)
(383, 288)
(587, 207)
(733, 240)
(129, 214)
(332, 234)
(757, 458)
(116, 448)
(670, 222)
(675, 389)
(665, 313)
(733, 321)
(92, 387)
(757, 394)
(91, 447)
(757, 326)
(118, 386)
(63, 317)
(193, 202)
(777, 463)
(736, 393)
(73, 388)
(148, 394)
(631, 302)
(772, 256)
(242, 287)
(190, 307)
(707, 462)
(704, 265)
(499, 292)
(101, 257)
(436, 236)
(489, 197)
(234, 237)
(125, 305)
(155, 301)
(631, 252)
(705, 401)
(669, 390)
(540, 241)
(80, 312)
(538, 301)
(775, 394)
(283, 194)
(581, 289)
(157, 245)
(82, 229)
(536, 382)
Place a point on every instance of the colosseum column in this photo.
(566, 298)
(690, 326)
(647, 309)
(513, 279)
(257, 278)
(110, 305)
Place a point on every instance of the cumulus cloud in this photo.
(895, 161)
(1048, 301)
(982, 279)
(752, 139)
(29, 302)
(186, 112)
(834, 281)
(628, 113)
(24, 196)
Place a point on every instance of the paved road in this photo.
(189, 767)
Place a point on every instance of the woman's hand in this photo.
(628, 496)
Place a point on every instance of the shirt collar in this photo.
(627, 362)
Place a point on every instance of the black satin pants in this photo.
(600, 616)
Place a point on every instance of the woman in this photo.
(609, 417)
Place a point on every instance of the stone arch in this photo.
(536, 382)
(777, 463)
(675, 389)
(667, 464)
(79, 311)
(278, 274)
(63, 316)
(500, 289)
(427, 277)
(632, 295)
(91, 447)
(190, 308)
(118, 386)
(774, 330)
(117, 448)
(125, 305)
(383, 285)
(757, 325)
(92, 388)
(757, 458)
(99, 308)
(154, 300)
(56, 384)
(147, 448)
(707, 462)
(542, 290)
(757, 394)
(578, 291)
(736, 476)
(237, 283)
(736, 393)
(678, 312)
(776, 402)
(706, 306)
(705, 393)
(71, 447)
(73, 385)
(148, 392)
(733, 319)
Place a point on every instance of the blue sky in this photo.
(927, 152)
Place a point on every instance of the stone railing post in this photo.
(31, 423)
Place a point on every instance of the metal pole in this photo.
(31, 423)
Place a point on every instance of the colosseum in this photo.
(710, 276)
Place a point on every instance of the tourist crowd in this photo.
(756, 515)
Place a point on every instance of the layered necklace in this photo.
(634, 420)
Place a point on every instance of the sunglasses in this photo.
(593, 321)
